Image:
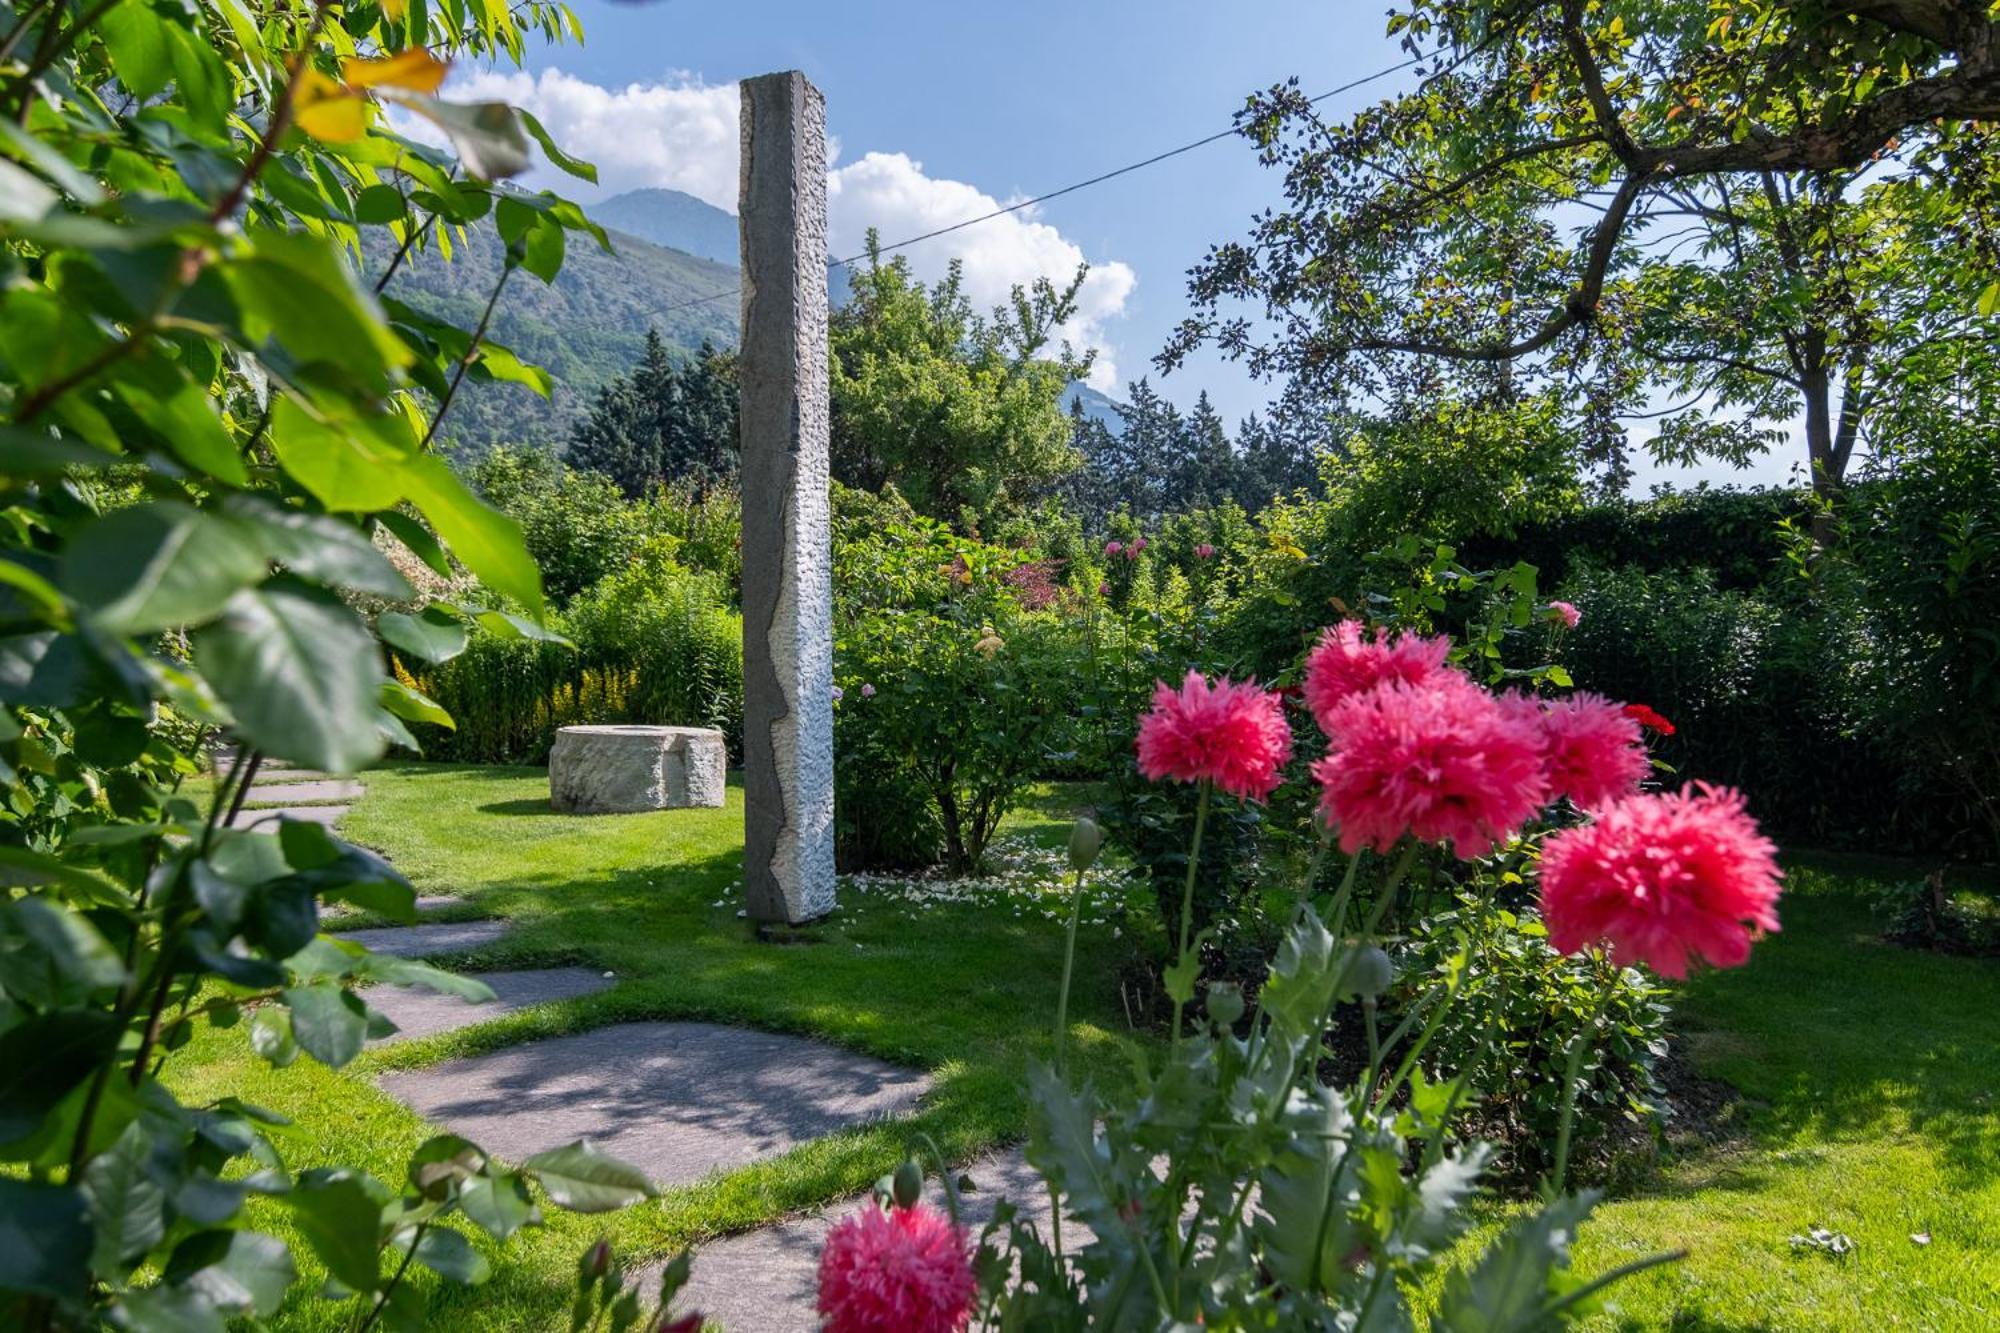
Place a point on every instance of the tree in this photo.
(662, 422)
(962, 413)
(215, 436)
(1782, 209)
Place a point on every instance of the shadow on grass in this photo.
(1836, 1034)
(524, 806)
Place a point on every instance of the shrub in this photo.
(947, 681)
(576, 524)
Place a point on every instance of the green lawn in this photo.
(1867, 1071)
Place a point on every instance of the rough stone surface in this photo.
(318, 814)
(286, 793)
(604, 770)
(787, 560)
(417, 1012)
(765, 1281)
(677, 1100)
(433, 938)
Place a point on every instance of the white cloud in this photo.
(682, 134)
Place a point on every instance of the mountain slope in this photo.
(586, 328)
(671, 218)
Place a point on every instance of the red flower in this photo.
(1442, 761)
(1591, 749)
(1663, 879)
(1233, 735)
(1347, 662)
(1649, 719)
(905, 1271)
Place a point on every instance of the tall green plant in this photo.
(213, 428)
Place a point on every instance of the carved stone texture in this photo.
(787, 557)
(622, 769)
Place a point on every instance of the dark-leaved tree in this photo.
(664, 421)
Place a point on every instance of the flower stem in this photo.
(1553, 1187)
(1069, 965)
(1187, 891)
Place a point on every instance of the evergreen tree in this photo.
(662, 422)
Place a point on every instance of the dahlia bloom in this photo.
(1439, 760)
(1591, 749)
(1567, 613)
(904, 1271)
(1347, 662)
(1662, 880)
(1233, 735)
(1652, 721)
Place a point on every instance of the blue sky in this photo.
(938, 110)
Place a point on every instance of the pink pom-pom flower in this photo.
(1567, 613)
(1441, 760)
(1347, 662)
(1591, 750)
(1114, 548)
(904, 1271)
(1663, 880)
(1234, 735)
(1204, 552)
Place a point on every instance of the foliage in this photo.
(946, 679)
(960, 411)
(654, 642)
(211, 420)
(1776, 210)
(664, 422)
(1519, 1004)
(575, 524)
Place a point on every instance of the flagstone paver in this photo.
(300, 793)
(426, 902)
(318, 814)
(417, 1012)
(677, 1100)
(433, 937)
(766, 1281)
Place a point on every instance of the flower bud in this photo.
(908, 1187)
(596, 1262)
(1370, 973)
(1225, 1003)
(1085, 838)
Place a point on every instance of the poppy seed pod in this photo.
(1085, 839)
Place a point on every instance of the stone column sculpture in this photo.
(787, 556)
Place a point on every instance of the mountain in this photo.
(670, 218)
(585, 329)
(1096, 405)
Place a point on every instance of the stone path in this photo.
(766, 1281)
(677, 1100)
(417, 1012)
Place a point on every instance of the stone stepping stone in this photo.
(318, 814)
(768, 1280)
(300, 793)
(426, 902)
(433, 937)
(417, 1012)
(677, 1100)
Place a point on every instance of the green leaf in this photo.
(33, 453)
(507, 625)
(299, 671)
(157, 566)
(42, 1058)
(45, 1240)
(347, 465)
(434, 636)
(296, 292)
(379, 205)
(271, 1036)
(1524, 1266)
(42, 157)
(140, 47)
(329, 1023)
(319, 547)
(1989, 300)
(390, 970)
(414, 706)
(185, 418)
(23, 198)
(581, 1178)
(486, 541)
(239, 1272)
(449, 1254)
(343, 1224)
(487, 136)
(127, 1205)
(574, 166)
(51, 957)
(169, 1310)
(419, 539)
(497, 1204)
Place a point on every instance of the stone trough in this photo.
(605, 770)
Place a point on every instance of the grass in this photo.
(964, 992)
(1866, 1071)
